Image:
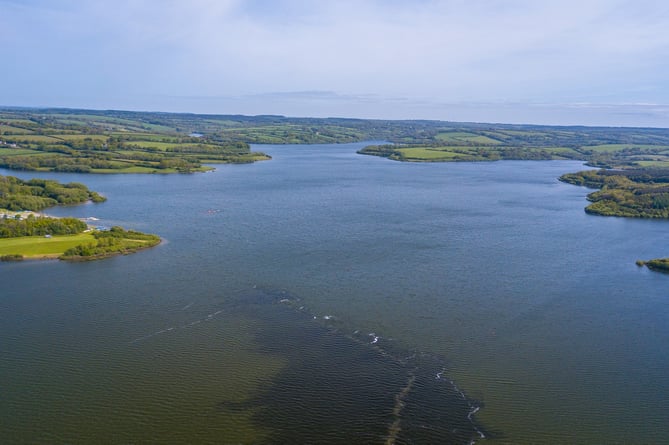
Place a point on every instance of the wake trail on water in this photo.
(208, 317)
(473, 408)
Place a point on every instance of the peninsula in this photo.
(631, 193)
(25, 234)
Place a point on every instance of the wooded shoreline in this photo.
(29, 235)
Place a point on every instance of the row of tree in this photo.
(40, 226)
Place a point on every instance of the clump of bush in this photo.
(111, 242)
(12, 257)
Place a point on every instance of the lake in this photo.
(329, 297)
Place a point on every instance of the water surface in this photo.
(486, 274)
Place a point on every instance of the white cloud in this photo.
(451, 50)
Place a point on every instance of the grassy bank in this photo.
(81, 247)
(39, 247)
(116, 241)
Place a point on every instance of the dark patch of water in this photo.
(348, 389)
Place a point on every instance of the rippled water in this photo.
(425, 280)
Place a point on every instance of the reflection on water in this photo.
(438, 289)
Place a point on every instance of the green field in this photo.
(19, 138)
(653, 164)
(8, 129)
(7, 151)
(81, 137)
(429, 154)
(139, 136)
(36, 247)
(153, 144)
(154, 170)
(456, 137)
(620, 147)
(7, 118)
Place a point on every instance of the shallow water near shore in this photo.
(487, 275)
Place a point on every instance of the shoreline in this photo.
(80, 259)
(72, 259)
(92, 244)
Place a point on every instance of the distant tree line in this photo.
(467, 152)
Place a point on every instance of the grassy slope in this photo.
(39, 247)
(36, 247)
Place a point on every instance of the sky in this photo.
(562, 62)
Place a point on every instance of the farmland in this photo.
(102, 142)
(628, 148)
(39, 247)
(92, 141)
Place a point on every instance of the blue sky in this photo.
(591, 62)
